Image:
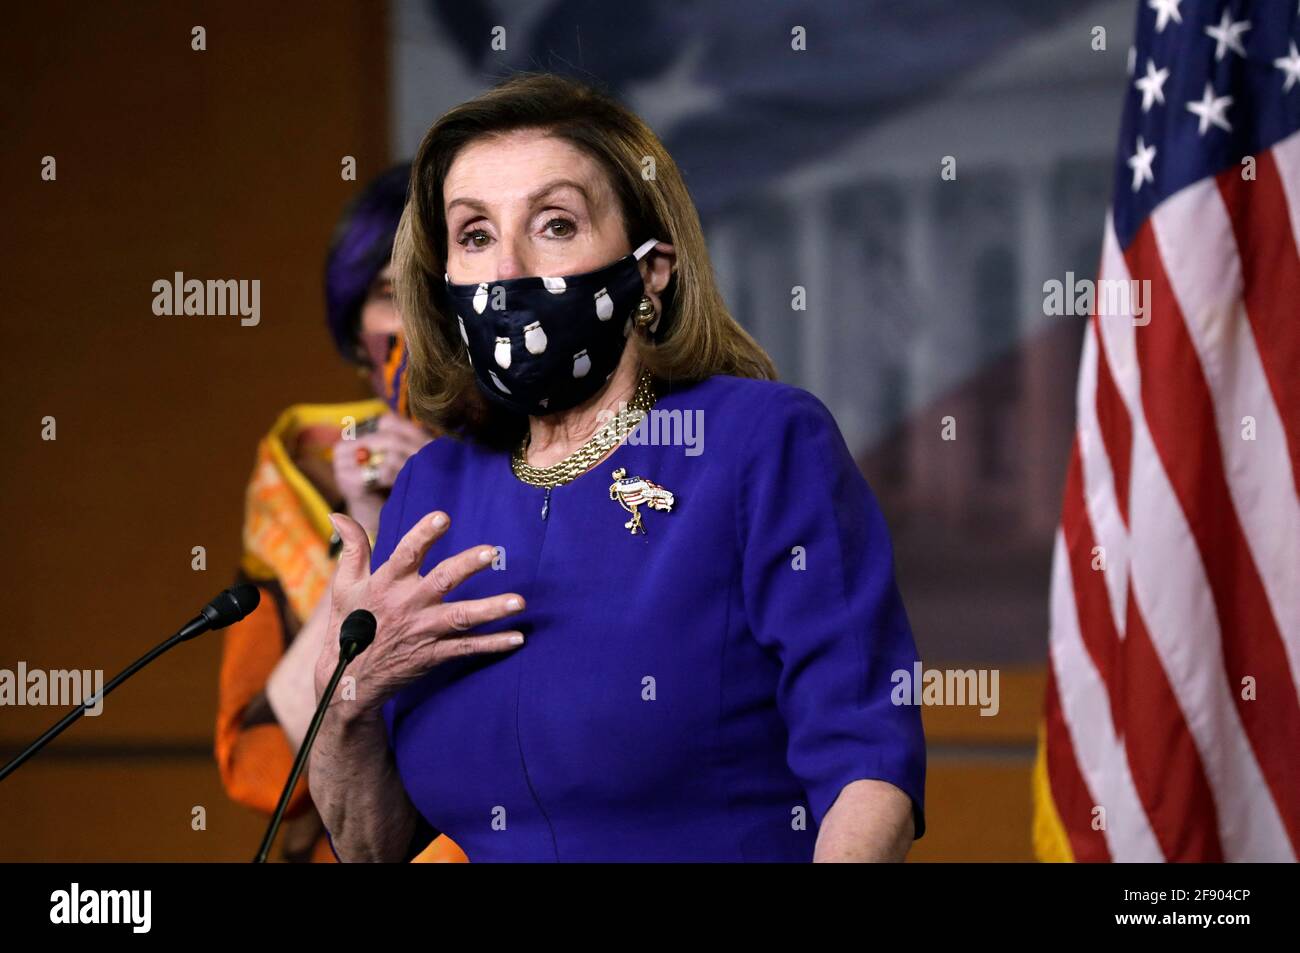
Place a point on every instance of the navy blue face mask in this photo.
(540, 345)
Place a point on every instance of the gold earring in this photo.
(645, 312)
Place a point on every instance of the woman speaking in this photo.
(599, 640)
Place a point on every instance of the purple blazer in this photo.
(699, 691)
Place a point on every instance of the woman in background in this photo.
(316, 458)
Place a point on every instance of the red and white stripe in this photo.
(1200, 528)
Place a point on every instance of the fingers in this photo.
(454, 570)
(354, 561)
(481, 644)
(465, 614)
(409, 553)
(406, 431)
(392, 442)
(387, 451)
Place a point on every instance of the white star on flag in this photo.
(1291, 66)
(1152, 86)
(1140, 162)
(1165, 11)
(1211, 109)
(1228, 36)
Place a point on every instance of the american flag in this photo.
(1172, 719)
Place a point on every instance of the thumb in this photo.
(354, 561)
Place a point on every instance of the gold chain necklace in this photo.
(591, 452)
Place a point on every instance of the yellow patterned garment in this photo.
(286, 520)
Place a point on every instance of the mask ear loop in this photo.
(640, 252)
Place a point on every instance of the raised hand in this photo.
(419, 627)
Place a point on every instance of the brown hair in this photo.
(701, 336)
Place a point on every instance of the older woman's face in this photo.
(528, 204)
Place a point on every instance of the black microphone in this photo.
(227, 608)
(355, 636)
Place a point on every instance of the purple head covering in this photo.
(361, 247)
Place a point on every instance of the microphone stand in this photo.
(231, 606)
(356, 633)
